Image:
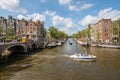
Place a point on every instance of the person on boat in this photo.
(77, 54)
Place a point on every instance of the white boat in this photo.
(83, 56)
(86, 44)
(59, 44)
(109, 46)
(93, 45)
(51, 45)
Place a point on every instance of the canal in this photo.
(55, 64)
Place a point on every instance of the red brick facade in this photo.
(102, 31)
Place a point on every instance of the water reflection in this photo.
(55, 64)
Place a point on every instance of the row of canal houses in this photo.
(30, 29)
(100, 32)
(101, 35)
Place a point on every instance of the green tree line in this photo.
(56, 33)
(115, 28)
(84, 33)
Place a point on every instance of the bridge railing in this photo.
(9, 43)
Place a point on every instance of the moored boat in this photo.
(86, 44)
(93, 45)
(109, 46)
(51, 45)
(59, 44)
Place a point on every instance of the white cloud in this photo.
(107, 13)
(20, 17)
(73, 8)
(11, 5)
(77, 8)
(67, 23)
(65, 2)
(88, 19)
(86, 6)
(50, 13)
(34, 17)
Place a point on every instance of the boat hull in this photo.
(82, 57)
(109, 46)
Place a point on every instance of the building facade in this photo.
(102, 31)
(20, 27)
(31, 30)
(3, 26)
(34, 30)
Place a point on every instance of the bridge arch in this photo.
(17, 48)
(34, 46)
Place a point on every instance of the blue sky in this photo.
(67, 15)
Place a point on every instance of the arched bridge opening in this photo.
(34, 46)
(14, 49)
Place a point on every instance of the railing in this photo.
(4, 43)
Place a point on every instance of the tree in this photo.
(84, 33)
(62, 34)
(0, 30)
(98, 35)
(55, 33)
(88, 31)
(77, 35)
(10, 33)
(115, 28)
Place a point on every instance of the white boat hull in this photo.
(82, 57)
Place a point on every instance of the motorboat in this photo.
(70, 43)
(83, 56)
(51, 45)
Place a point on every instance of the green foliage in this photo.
(88, 31)
(62, 34)
(0, 29)
(10, 33)
(77, 35)
(84, 33)
(55, 33)
(115, 28)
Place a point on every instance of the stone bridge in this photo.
(18, 47)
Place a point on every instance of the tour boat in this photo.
(82, 56)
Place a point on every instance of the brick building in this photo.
(34, 30)
(22, 28)
(102, 31)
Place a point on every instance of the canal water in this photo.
(55, 64)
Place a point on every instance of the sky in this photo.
(69, 16)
